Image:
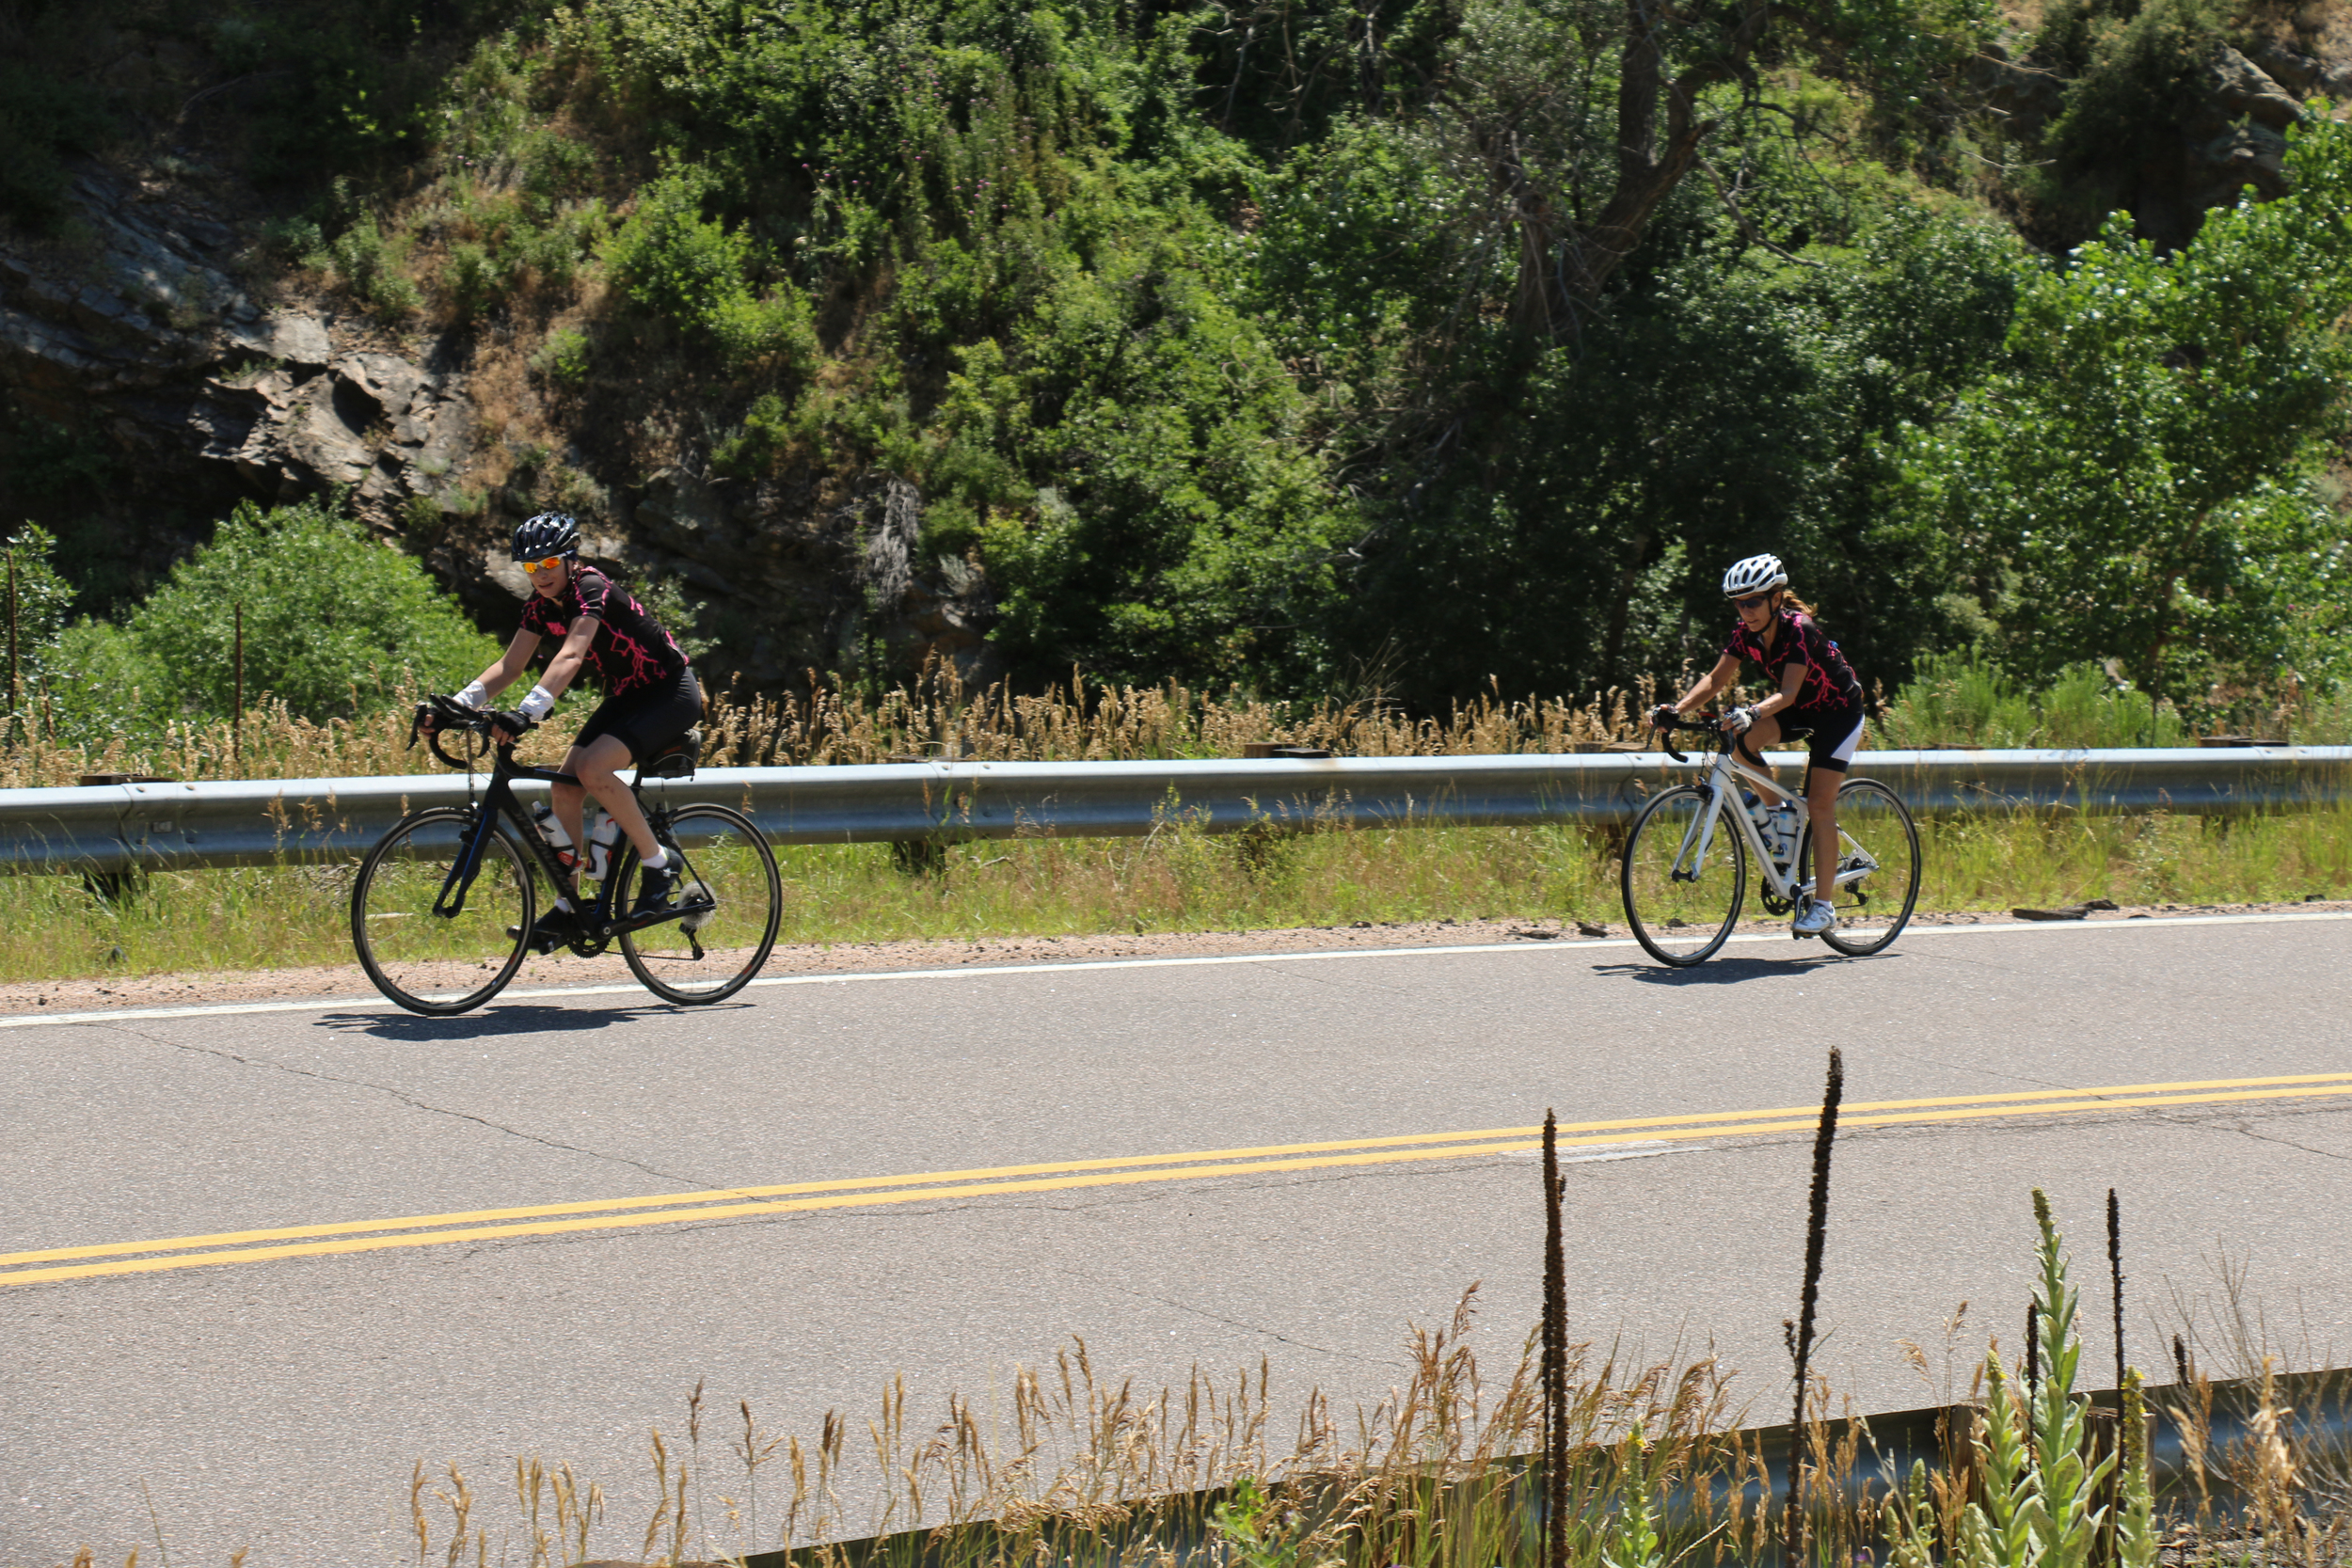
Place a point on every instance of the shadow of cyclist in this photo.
(529, 1019)
(1728, 972)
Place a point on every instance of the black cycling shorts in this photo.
(1830, 737)
(645, 721)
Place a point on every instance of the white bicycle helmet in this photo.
(1755, 575)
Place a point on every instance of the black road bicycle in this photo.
(443, 905)
(1686, 858)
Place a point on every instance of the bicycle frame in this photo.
(499, 799)
(1718, 785)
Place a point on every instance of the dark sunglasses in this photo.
(1752, 601)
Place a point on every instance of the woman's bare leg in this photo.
(1821, 800)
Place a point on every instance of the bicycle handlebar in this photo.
(1697, 726)
(449, 714)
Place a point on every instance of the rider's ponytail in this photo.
(1789, 601)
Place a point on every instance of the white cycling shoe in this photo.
(1817, 917)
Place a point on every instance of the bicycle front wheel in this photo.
(1682, 905)
(733, 899)
(1878, 869)
(432, 964)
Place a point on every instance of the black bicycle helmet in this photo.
(549, 534)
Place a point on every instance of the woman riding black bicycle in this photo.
(1818, 695)
(651, 698)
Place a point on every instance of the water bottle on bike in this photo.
(602, 836)
(1780, 832)
(551, 829)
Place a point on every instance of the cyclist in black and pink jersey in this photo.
(1815, 694)
(650, 698)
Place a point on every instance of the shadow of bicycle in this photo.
(1728, 972)
(493, 1021)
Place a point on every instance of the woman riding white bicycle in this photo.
(1817, 693)
(651, 698)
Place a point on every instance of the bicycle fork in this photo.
(451, 902)
(1702, 828)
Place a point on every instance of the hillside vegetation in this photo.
(1334, 347)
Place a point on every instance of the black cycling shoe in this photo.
(556, 928)
(657, 892)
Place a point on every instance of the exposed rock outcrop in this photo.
(147, 327)
(144, 331)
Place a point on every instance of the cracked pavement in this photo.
(280, 1405)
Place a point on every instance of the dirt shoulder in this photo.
(346, 980)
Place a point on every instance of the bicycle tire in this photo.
(411, 953)
(735, 867)
(1874, 821)
(1660, 908)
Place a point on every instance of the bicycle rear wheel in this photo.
(1876, 837)
(1682, 909)
(434, 964)
(733, 899)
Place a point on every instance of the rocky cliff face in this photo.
(148, 328)
(147, 333)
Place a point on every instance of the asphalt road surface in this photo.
(262, 1259)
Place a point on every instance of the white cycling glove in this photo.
(1739, 719)
(535, 706)
(475, 695)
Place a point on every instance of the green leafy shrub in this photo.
(368, 263)
(671, 260)
(2143, 466)
(565, 358)
(2136, 70)
(696, 273)
(331, 617)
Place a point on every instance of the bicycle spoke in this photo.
(430, 963)
(1877, 867)
(1682, 902)
(732, 903)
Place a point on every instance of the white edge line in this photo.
(966, 971)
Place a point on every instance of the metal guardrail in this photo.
(111, 828)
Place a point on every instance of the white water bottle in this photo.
(1783, 833)
(601, 838)
(551, 829)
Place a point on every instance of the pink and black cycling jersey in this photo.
(1830, 686)
(631, 651)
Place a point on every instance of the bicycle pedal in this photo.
(544, 947)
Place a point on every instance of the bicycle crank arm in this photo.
(640, 922)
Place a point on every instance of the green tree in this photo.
(331, 618)
(2136, 481)
(1721, 412)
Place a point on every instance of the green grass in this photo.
(1182, 880)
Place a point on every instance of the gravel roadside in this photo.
(346, 980)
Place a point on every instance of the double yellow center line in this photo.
(558, 1219)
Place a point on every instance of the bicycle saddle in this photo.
(678, 760)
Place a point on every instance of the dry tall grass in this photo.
(1179, 880)
(1084, 1470)
(831, 724)
(1087, 1471)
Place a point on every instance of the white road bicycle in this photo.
(1686, 859)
